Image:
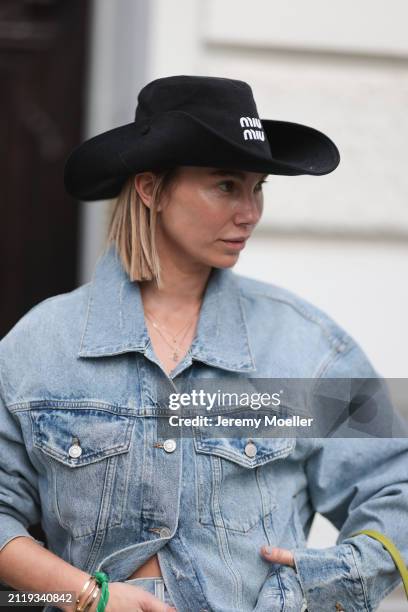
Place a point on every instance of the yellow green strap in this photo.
(394, 552)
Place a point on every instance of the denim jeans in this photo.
(155, 586)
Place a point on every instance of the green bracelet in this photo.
(102, 579)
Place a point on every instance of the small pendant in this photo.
(175, 357)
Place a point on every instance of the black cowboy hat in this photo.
(195, 121)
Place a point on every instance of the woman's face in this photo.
(208, 214)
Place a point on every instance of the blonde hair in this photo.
(132, 228)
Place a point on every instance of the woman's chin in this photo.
(221, 260)
(227, 261)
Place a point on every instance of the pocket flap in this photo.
(96, 434)
(237, 449)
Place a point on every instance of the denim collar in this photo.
(114, 321)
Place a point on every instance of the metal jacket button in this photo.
(169, 445)
(250, 449)
(75, 451)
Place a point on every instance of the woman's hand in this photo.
(131, 598)
(278, 555)
(282, 588)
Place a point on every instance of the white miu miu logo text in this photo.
(251, 134)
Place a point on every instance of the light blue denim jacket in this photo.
(79, 451)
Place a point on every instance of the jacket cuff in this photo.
(281, 590)
(330, 579)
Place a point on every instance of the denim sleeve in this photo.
(356, 483)
(19, 499)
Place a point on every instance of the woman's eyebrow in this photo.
(236, 173)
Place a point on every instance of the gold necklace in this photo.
(175, 349)
(157, 326)
(175, 346)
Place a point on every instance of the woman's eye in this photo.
(228, 184)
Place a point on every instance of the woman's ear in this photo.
(144, 184)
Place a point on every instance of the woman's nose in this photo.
(249, 211)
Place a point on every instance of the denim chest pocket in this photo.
(85, 453)
(233, 484)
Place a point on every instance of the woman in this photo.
(86, 442)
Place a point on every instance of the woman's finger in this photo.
(278, 555)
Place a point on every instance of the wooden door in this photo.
(43, 53)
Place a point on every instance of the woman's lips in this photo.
(235, 244)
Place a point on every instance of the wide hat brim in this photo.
(98, 168)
